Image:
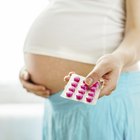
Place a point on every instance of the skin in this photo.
(110, 66)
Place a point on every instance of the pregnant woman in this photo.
(98, 39)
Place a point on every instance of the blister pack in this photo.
(76, 89)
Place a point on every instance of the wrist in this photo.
(121, 57)
(125, 57)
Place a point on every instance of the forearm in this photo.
(129, 50)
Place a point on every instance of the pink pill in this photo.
(89, 99)
(81, 91)
(72, 89)
(74, 84)
(86, 87)
(77, 79)
(83, 87)
(92, 94)
(96, 84)
(79, 96)
(93, 89)
(69, 94)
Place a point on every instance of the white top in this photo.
(80, 30)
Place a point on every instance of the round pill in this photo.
(77, 79)
(93, 89)
(96, 84)
(89, 99)
(86, 87)
(69, 94)
(92, 94)
(83, 87)
(72, 89)
(74, 84)
(79, 96)
(81, 91)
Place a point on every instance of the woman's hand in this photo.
(107, 68)
(25, 80)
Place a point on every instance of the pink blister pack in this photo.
(77, 90)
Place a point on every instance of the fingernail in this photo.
(89, 81)
(25, 75)
(65, 78)
(70, 73)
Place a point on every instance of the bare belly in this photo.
(50, 71)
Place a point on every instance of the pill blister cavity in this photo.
(69, 94)
(92, 94)
(96, 85)
(77, 79)
(78, 90)
(89, 99)
(74, 84)
(79, 96)
(72, 89)
(93, 89)
(81, 91)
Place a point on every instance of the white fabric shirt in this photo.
(79, 30)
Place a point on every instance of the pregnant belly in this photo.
(50, 71)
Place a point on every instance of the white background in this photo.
(21, 113)
(16, 17)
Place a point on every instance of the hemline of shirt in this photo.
(63, 55)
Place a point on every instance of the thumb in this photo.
(25, 75)
(95, 75)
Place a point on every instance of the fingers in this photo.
(67, 77)
(41, 94)
(24, 74)
(97, 73)
(71, 72)
(109, 85)
(39, 90)
(107, 90)
(106, 68)
(33, 87)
